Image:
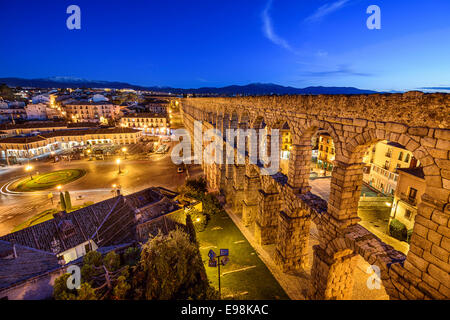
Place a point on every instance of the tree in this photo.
(68, 201)
(62, 201)
(61, 292)
(132, 256)
(191, 229)
(171, 268)
(6, 92)
(102, 278)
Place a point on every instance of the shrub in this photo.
(398, 230)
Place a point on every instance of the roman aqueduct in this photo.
(281, 208)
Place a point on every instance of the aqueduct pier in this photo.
(281, 208)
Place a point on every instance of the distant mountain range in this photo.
(250, 89)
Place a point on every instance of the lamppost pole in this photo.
(29, 168)
(118, 163)
(218, 272)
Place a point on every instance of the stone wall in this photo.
(415, 120)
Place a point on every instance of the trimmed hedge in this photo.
(398, 230)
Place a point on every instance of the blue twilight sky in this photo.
(216, 42)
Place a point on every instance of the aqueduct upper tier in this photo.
(281, 208)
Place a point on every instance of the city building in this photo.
(36, 111)
(36, 127)
(27, 272)
(383, 160)
(326, 152)
(12, 114)
(408, 195)
(149, 123)
(157, 108)
(54, 113)
(32, 258)
(286, 147)
(21, 148)
(91, 111)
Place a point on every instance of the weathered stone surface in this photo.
(281, 207)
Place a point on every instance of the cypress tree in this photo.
(63, 201)
(68, 201)
(191, 229)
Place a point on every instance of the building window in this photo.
(408, 214)
(412, 194)
(400, 156)
(389, 153)
(407, 158)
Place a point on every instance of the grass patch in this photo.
(255, 282)
(45, 216)
(48, 180)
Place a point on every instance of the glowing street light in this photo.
(118, 163)
(59, 187)
(28, 168)
(124, 150)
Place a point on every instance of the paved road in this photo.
(95, 186)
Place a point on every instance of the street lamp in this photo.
(59, 187)
(118, 163)
(28, 168)
(124, 150)
(116, 189)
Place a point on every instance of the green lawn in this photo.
(48, 180)
(256, 282)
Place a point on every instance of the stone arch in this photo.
(258, 122)
(313, 126)
(234, 119)
(333, 265)
(359, 143)
(432, 214)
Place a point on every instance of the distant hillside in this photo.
(250, 89)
